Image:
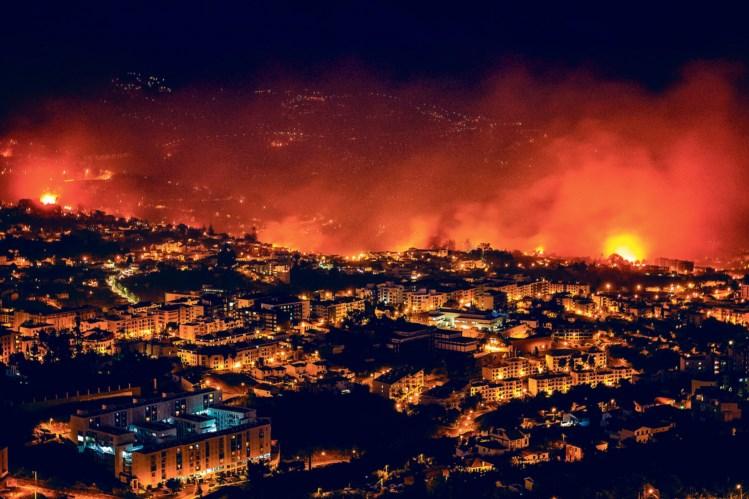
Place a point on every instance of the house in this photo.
(511, 439)
(490, 447)
(640, 430)
(573, 453)
(478, 465)
(713, 403)
(528, 457)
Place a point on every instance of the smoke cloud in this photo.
(349, 164)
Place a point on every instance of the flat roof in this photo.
(195, 418)
(112, 430)
(200, 437)
(143, 402)
(153, 425)
(231, 408)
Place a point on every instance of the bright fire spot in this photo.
(628, 246)
(48, 198)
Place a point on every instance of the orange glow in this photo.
(48, 198)
(597, 159)
(627, 246)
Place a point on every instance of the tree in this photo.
(226, 256)
(57, 346)
(252, 235)
(256, 471)
(174, 485)
(470, 402)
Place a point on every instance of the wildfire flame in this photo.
(628, 246)
(48, 198)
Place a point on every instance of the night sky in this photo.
(50, 48)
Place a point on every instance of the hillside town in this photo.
(156, 359)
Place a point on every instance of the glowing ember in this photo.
(627, 246)
(48, 198)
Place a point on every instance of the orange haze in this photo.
(566, 162)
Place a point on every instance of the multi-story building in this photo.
(227, 337)
(565, 360)
(537, 289)
(335, 311)
(132, 326)
(424, 300)
(454, 341)
(559, 360)
(404, 386)
(266, 319)
(498, 391)
(148, 410)
(411, 337)
(6, 317)
(201, 455)
(182, 436)
(390, 294)
(606, 303)
(108, 430)
(233, 356)
(572, 288)
(59, 320)
(579, 305)
(574, 337)
(463, 296)
(98, 341)
(466, 320)
(549, 383)
(226, 416)
(7, 345)
(609, 377)
(516, 367)
(518, 291)
(94, 323)
(483, 301)
(206, 325)
(733, 314)
(176, 313)
(297, 309)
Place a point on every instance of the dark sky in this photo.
(55, 49)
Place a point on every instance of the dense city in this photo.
(162, 360)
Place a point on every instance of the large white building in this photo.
(424, 300)
(390, 294)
